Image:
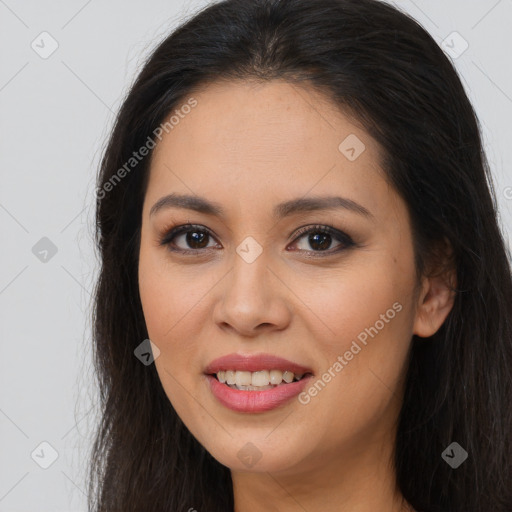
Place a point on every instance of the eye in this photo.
(320, 238)
(195, 239)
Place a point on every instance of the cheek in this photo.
(363, 315)
(346, 303)
(171, 303)
(176, 302)
(172, 296)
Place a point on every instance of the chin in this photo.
(257, 455)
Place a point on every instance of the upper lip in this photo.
(254, 363)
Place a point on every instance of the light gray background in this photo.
(55, 117)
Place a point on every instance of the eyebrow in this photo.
(286, 209)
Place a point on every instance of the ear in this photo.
(435, 301)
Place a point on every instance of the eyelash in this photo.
(346, 240)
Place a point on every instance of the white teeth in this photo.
(288, 376)
(243, 378)
(276, 377)
(262, 379)
(251, 388)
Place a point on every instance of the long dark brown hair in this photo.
(380, 65)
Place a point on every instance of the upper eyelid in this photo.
(184, 228)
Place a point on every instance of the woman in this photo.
(295, 208)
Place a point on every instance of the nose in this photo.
(254, 299)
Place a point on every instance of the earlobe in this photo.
(434, 304)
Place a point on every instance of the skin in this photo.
(249, 146)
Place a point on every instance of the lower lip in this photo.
(255, 401)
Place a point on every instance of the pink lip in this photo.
(254, 363)
(255, 401)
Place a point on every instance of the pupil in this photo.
(314, 238)
(194, 239)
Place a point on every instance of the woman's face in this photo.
(338, 305)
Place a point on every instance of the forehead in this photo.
(248, 142)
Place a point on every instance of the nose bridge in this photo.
(250, 273)
(251, 295)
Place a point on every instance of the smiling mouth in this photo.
(259, 380)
